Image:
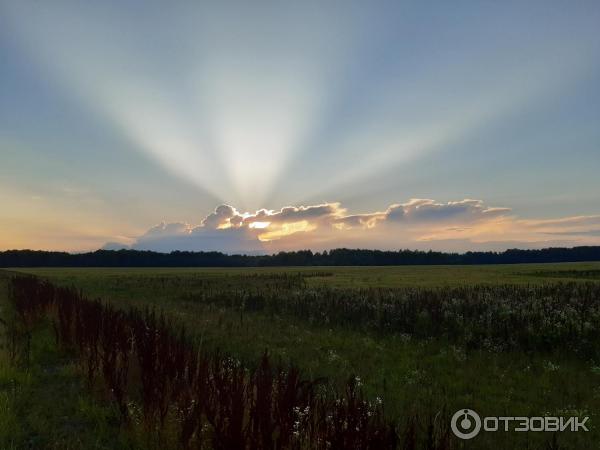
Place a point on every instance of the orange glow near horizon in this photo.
(286, 229)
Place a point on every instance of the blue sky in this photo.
(118, 116)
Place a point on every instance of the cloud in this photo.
(169, 237)
(575, 233)
(416, 223)
(565, 221)
(224, 216)
(166, 229)
(114, 246)
(426, 210)
(419, 211)
(289, 214)
(582, 226)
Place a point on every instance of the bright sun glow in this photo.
(259, 225)
(286, 229)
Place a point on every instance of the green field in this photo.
(386, 276)
(44, 404)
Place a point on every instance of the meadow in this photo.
(416, 343)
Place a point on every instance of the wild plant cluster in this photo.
(17, 326)
(220, 282)
(590, 274)
(495, 317)
(194, 398)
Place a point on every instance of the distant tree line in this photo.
(337, 257)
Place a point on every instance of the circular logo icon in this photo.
(465, 424)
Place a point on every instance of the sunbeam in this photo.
(402, 122)
(233, 118)
(104, 68)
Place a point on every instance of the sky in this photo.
(264, 126)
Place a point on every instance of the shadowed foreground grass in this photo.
(44, 403)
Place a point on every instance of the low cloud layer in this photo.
(418, 223)
(426, 211)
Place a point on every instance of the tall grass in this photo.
(187, 397)
(499, 318)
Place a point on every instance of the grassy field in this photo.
(387, 276)
(422, 375)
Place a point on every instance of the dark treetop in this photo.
(337, 257)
